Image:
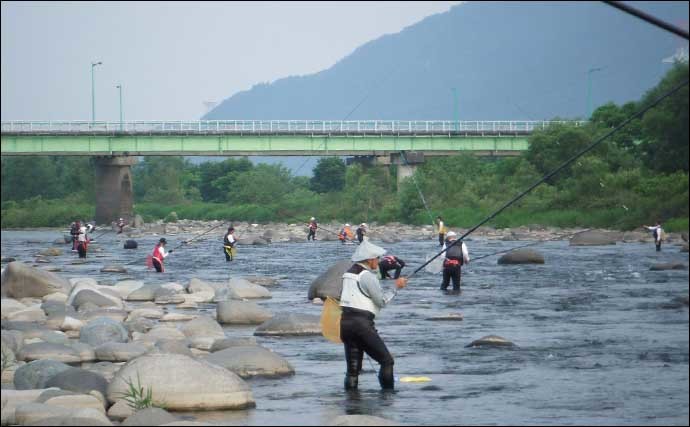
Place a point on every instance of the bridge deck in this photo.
(282, 138)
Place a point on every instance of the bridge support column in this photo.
(114, 188)
(406, 166)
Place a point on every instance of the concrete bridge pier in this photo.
(114, 197)
(406, 165)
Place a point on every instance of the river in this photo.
(599, 338)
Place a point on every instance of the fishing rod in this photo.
(185, 242)
(102, 234)
(555, 171)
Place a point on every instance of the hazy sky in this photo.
(171, 57)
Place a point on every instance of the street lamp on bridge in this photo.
(589, 90)
(455, 107)
(93, 92)
(119, 87)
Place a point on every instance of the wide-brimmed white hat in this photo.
(347, 225)
(451, 234)
(366, 251)
(312, 219)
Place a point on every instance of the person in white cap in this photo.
(361, 231)
(121, 224)
(361, 300)
(456, 257)
(312, 229)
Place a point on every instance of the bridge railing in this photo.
(280, 126)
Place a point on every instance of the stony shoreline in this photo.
(261, 234)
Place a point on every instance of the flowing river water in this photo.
(600, 339)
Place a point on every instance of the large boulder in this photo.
(159, 332)
(241, 313)
(37, 373)
(150, 417)
(20, 281)
(71, 400)
(329, 283)
(264, 281)
(175, 346)
(289, 324)
(99, 299)
(593, 238)
(49, 351)
(224, 343)
(522, 256)
(490, 341)
(9, 306)
(131, 244)
(181, 383)
(144, 293)
(50, 415)
(202, 332)
(198, 285)
(668, 266)
(103, 330)
(243, 289)
(251, 361)
(85, 351)
(119, 352)
(13, 398)
(113, 269)
(13, 339)
(126, 287)
(361, 420)
(29, 314)
(79, 381)
(51, 252)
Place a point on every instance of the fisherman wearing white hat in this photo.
(312, 229)
(456, 257)
(361, 300)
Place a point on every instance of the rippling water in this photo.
(599, 338)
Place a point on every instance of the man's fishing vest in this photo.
(353, 295)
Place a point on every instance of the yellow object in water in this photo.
(330, 320)
(415, 379)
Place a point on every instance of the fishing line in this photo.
(205, 232)
(419, 190)
(557, 170)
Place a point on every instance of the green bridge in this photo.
(117, 144)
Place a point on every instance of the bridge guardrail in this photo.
(279, 126)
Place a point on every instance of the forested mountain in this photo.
(507, 60)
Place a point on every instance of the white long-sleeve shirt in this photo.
(82, 234)
(161, 252)
(372, 286)
(658, 230)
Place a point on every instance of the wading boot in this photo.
(351, 382)
(386, 377)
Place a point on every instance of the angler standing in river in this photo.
(229, 243)
(361, 300)
(456, 257)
